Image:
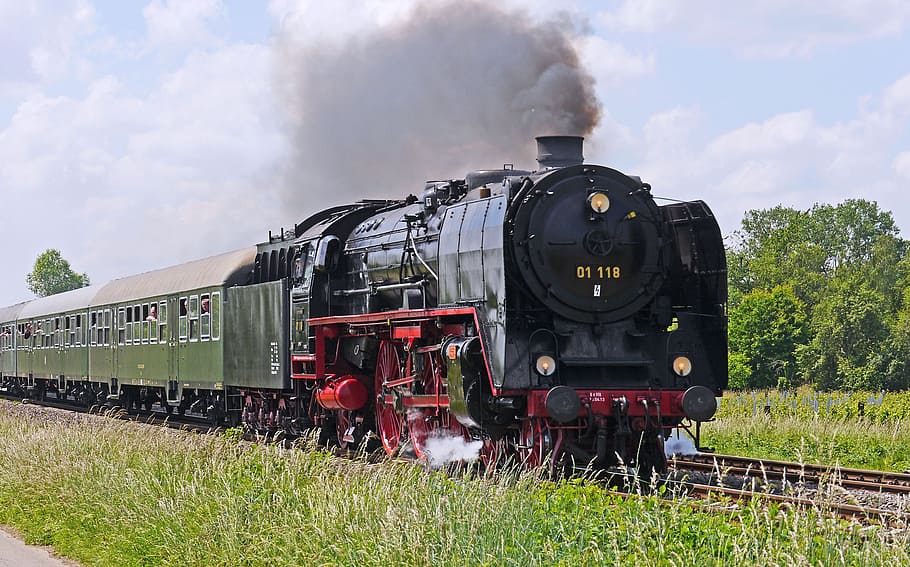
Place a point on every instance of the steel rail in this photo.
(861, 479)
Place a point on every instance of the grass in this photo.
(793, 431)
(112, 493)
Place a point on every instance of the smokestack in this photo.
(559, 151)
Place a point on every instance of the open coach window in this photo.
(205, 318)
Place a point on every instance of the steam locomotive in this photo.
(559, 317)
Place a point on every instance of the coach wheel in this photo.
(388, 422)
(534, 442)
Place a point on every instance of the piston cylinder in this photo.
(344, 393)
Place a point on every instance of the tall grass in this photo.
(113, 493)
(792, 429)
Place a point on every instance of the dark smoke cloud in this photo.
(456, 86)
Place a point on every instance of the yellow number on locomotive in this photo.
(603, 272)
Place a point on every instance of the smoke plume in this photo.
(454, 86)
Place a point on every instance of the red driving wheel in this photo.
(388, 422)
(424, 423)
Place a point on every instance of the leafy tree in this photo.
(764, 331)
(52, 275)
(849, 331)
(847, 270)
(896, 353)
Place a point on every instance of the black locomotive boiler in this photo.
(557, 314)
(558, 317)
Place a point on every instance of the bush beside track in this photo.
(111, 493)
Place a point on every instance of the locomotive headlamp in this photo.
(682, 365)
(546, 365)
(599, 202)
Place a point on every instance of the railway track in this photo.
(857, 494)
(784, 471)
(849, 511)
(173, 421)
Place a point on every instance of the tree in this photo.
(52, 275)
(844, 320)
(765, 329)
(850, 333)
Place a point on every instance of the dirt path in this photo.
(14, 553)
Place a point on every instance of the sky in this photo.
(137, 135)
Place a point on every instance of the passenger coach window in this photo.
(107, 327)
(184, 325)
(162, 322)
(146, 324)
(205, 319)
(94, 330)
(99, 332)
(216, 316)
(79, 340)
(194, 317)
(126, 326)
(137, 325)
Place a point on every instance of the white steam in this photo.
(443, 449)
(679, 444)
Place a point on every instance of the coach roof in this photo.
(231, 268)
(11, 313)
(60, 302)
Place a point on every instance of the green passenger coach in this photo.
(182, 337)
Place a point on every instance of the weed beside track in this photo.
(108, 492)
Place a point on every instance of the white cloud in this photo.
(641, 15)
(778, 134)
(611, 63)
(177, 24)
(39, 40)
(124, 182)
(671, 130)
(788, 158)
(901, 165)
(315, 21)
(768, 29)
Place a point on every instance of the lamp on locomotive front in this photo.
(682, 366)
(599, 202)
(545, 365)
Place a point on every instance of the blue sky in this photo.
(135, 135)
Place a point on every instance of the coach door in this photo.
(177, 309)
